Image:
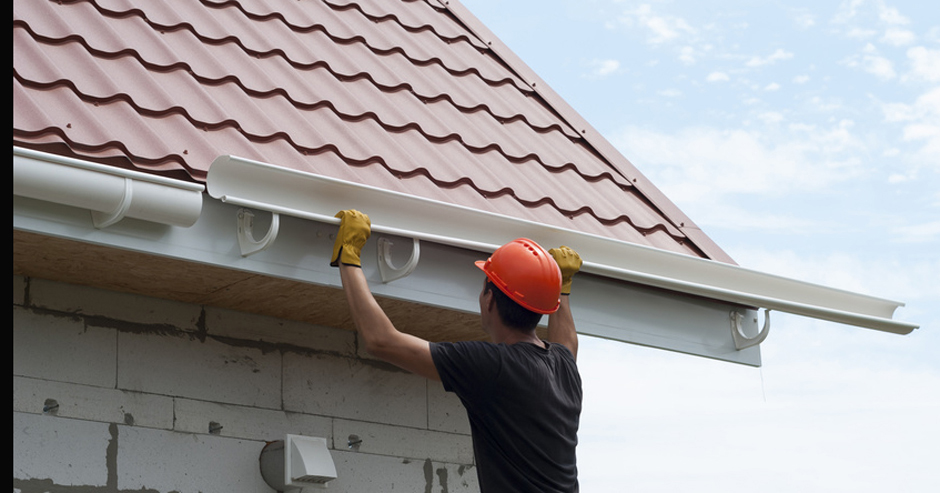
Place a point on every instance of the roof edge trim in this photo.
(110, 193)
(618, 162)
(310, 196)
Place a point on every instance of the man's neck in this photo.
(507, 335)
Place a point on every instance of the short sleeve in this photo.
(466, 368)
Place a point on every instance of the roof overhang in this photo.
(626, 292)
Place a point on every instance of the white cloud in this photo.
(891, 16)
(879, 66)
(921, 122)
(687, 55)
(670, 93)
(870, 61)
(847, 11)
(603, 68)
(898, 37)
(780, 54)
(679, 163)
(925, 63)
(933, 34)
(773, 86)
(805, 21)
(663, 28)
(717, 77)
(825, 105)
(859, 33)
(918, 233)
(771, 117)
(801, 79)
(898, 178)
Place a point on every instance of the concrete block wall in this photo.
(122, 393)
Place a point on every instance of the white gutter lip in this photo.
(110, 193)
(277, 189)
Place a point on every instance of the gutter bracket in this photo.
(246, 239)
(386, 269)
(104, 219)
(741, 341)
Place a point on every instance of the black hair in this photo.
(512, 314)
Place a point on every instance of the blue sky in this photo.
(804, 138)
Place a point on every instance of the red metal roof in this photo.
(399, 95)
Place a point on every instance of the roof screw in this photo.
(354, 442)
(215, 428)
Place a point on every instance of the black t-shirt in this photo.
(524, 405)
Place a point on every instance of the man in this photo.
(522, 394)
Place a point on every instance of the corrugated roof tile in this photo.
(397, 95)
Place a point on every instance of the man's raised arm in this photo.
(561, 327)
(380, 336)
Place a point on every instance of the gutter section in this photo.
(305, 195)
(110, 193)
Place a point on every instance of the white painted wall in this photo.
(138, 381)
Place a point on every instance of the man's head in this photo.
(512, 314)
(525, 275)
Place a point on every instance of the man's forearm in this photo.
(368, 317)
(561, 327)
(377, 332)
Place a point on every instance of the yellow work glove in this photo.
(354, 230)
(569, 262)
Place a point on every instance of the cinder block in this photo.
(445, 411)
(399, 441)
(66, 452)
(178, 365)
(113, 305)
(93, 403)
(62, 348)
(159, 460)
(253, 327)
(355, 389)
(19, 290)
(248, 422)
(358, 472)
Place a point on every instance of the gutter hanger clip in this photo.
(388, 271)
(246, 238)
(742, 341)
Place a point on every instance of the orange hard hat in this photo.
(526, 273)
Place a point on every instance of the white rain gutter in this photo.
(305, 195)
(110, 193)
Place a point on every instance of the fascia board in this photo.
(315, 197)
(445, 276)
